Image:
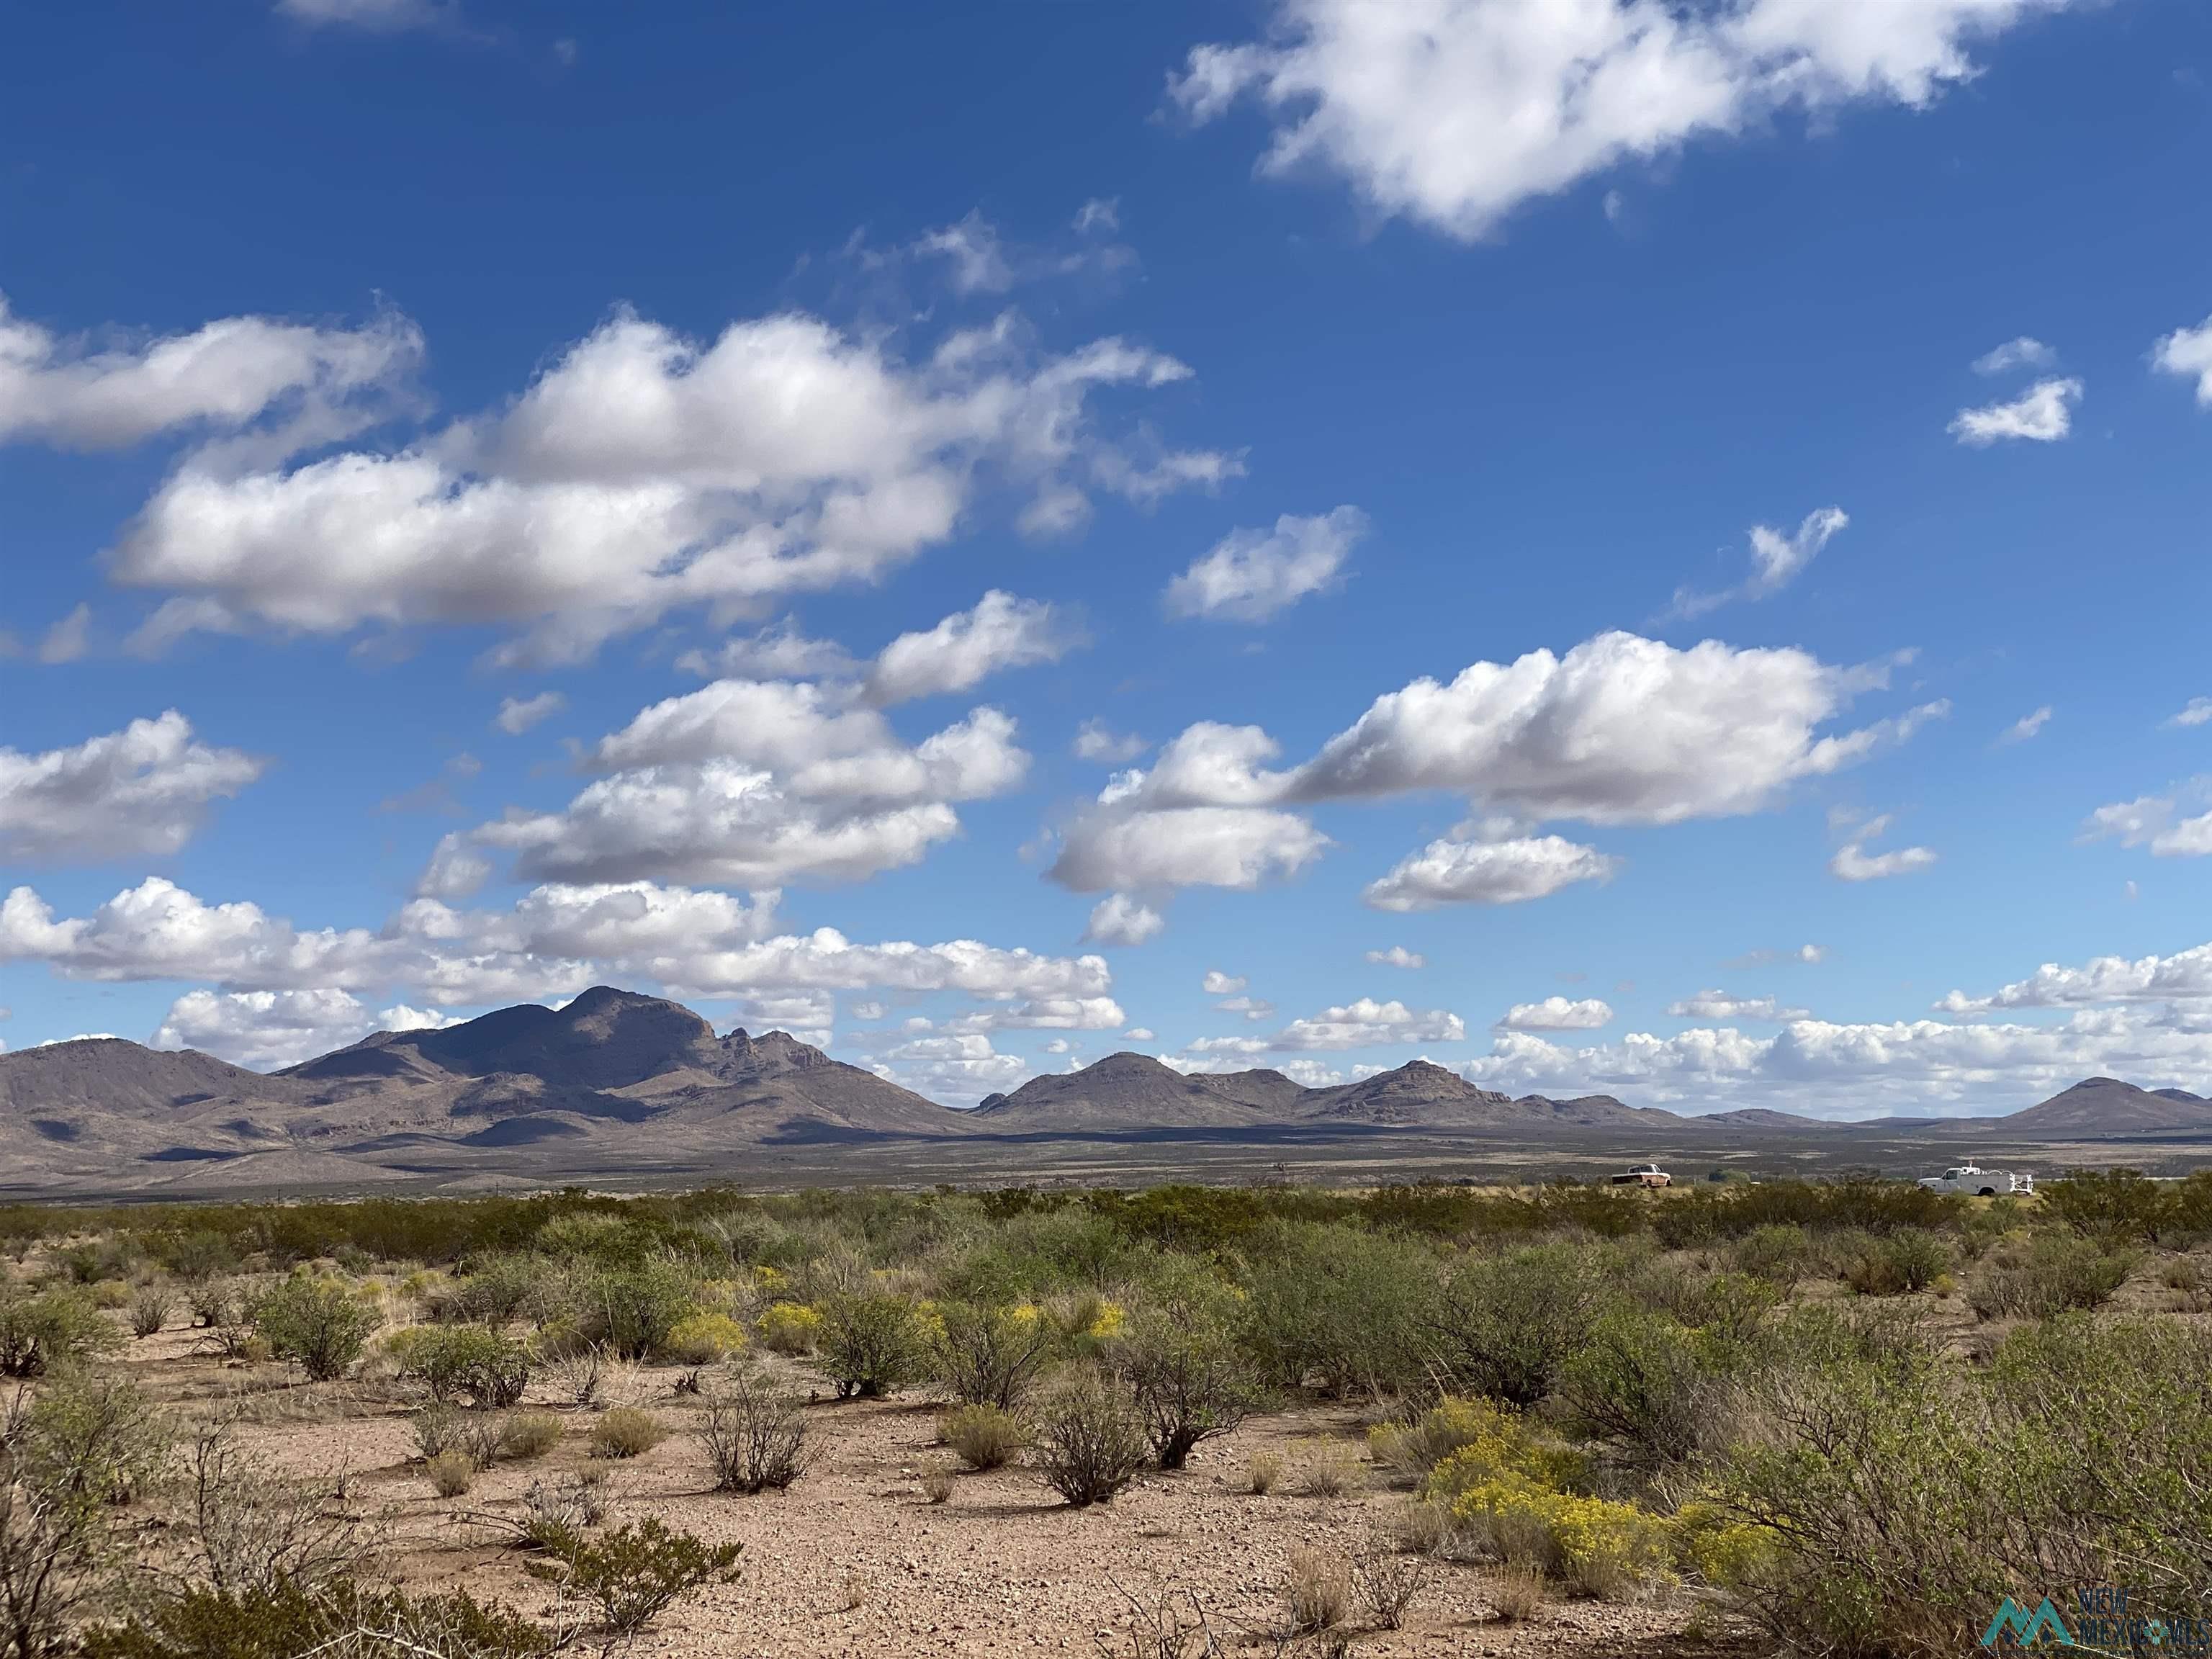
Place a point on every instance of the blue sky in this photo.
(1688, 523)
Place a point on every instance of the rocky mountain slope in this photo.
(618, 1084)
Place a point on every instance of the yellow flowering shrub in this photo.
(789, 1328)
(1602, 1548)
(704, 1336)
(1480, 1440)
(1107, 1323)
(1720, 1550)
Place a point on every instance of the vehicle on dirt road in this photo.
(1972, 1179)
(1644, 1175)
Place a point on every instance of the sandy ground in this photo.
(853, 1560)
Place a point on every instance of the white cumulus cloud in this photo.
(2187, 352)
(1455, 112)
(1509, 871)
(1397, 956)
(999, 631)
(139, 792)
(517, 714)
(1252, 574)
(1557, 1013)
(1117, 919)
(2043, 414)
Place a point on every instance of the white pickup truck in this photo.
(1643, 1175)
(1980, 1182)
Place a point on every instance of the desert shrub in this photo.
(150, 1308)
(90, 1436)
(196, 1255)
(437, 1429)
(320, 1324)
(637, 1571)
(1316, 1588)
(554, 1508)
(491, 1370)
(1189, 1380)
(789, 1328)
(1507, 1325)
(341, 1617)
(1414, 1448)
(937, 1483)
(633, 1307)
(1340, 1308)
(2115, 1205)
(451, 1474)
(702, 1337)
(526, 1435)
(1898, 1263)
(249, 1530)
(988, 1355)
(870, 1344)
(1519, 1592)
(481, 1437)
(1780, 1253)
(754, 1435)
(496, 1293)
(52, 1550)
(40, 1330)
(626, 1431)
(2048, 1273)
(579, 1372)
(1646, 1382)
(982, 1437)
(1420, 1525)
(1602, 1546)
(1090, 1440)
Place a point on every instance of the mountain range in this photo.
(618, 1082)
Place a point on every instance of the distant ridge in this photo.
(625, 1084)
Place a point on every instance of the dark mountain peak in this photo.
(1127, 1063)
(2181, 1094)
(2106, 1106)
(777, 1051)
(604, 1039)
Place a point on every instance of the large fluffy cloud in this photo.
(139, 792)
(1557, 1013)
(2184, 976)
(270, 1029)
(1619, 729)
(643, 472)
(223, 377)
(1455, 112)
(554, 941)
(758, 783)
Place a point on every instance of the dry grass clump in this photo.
(1317, 1589)
(984, 1437)
(1329, 1471)
(1519, 1592)
(626, 1431)
(451, 1474)
(937, 1483)
(526, 1435)
(1263, 1472)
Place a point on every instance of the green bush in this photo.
(321, 1324)
(1895, 1497)
(988, 1355)
(1509, 1324)
(201, 1623)
(1188, 1378)
(526, 1435)
(41, 1330)
(91, 1436)
(1090, 1440)
(489, 1369)
(1897, 1264)
(2115, 1205)
(1345, 1310)
(2049, 1273)
(634, 1309)
(637, 1571)
(1647, 1382)
(870, 1344)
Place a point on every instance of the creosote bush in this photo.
(754, 1431)
(320, 1324)
(988, 1355)
(1090, 1440)
(637, 1571)
(870, 1344)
